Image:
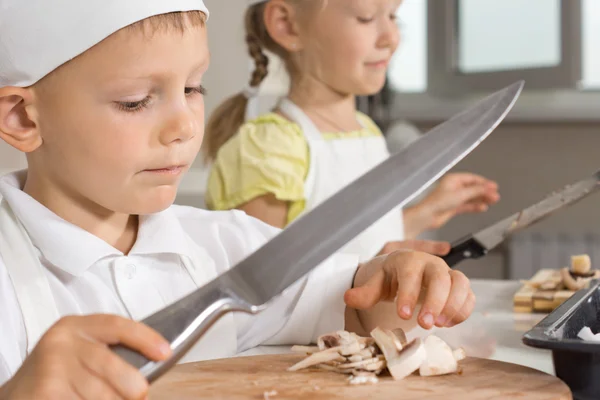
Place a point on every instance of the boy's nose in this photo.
(180, 128)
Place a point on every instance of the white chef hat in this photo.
(38, 36)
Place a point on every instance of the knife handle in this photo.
(182, 324)
(468, 248)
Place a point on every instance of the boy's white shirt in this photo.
(88, 276)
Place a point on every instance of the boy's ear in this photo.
(18, 126)
(281, 21)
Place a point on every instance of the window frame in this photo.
(445, 79)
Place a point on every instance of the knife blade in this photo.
(479, 244)
(255, 281)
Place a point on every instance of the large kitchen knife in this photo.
(254, 282)
(479, 244)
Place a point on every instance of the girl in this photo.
(285, 163)
(111, 117)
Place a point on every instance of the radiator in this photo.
(530, 252)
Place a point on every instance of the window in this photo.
(458, 46)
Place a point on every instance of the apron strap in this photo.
(295, 113)
(27, 275)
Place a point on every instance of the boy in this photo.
(105, 98)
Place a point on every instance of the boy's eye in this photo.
(133, 106)
(189, 91)
(364, 20)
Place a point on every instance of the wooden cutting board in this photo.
(254, 377)
(531, 300)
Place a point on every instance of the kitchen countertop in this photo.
(493, 331)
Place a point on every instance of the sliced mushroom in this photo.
(401, 336)
(581, 264)
(328, 341)
(459, 354)
(408, 360)
(440, 358)
(376, 367)
(572, 283)
(386, 343)
(317, 358)
(368, 352)
(363, 363)
(355, 358)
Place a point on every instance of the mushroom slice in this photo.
(386, 343)
(581, 264)
(363, 363)
(316, 358)
(408, 360)
(305, 349)
(459, 354)
(400, 335)
(350, 349)
(328, 341)
(570, 282)
(355, 358)
(378, 366)
(440, 358)
(369, 352)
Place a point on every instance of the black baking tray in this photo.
(576, 362)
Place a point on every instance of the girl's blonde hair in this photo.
(227, 119)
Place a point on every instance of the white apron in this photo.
(38, 306)
(336, 163)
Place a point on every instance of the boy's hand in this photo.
(411, 277)
(426, 246)
(73, 361)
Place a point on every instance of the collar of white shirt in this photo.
(74, 250)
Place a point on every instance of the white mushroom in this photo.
(400, 335)
(328, 341)
(364, 363)
(459, 354)
(581, 264)
(440, 358)
(355, 358)
(408, 360)
(386, 343)
(317, 358)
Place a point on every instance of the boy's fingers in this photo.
(456, 300)
(112, 330)
(123, 379)
(438, 283)
(368, 295)
(465, 311)
(89, 386)
(409, 288)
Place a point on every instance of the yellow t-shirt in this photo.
(268, 155)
